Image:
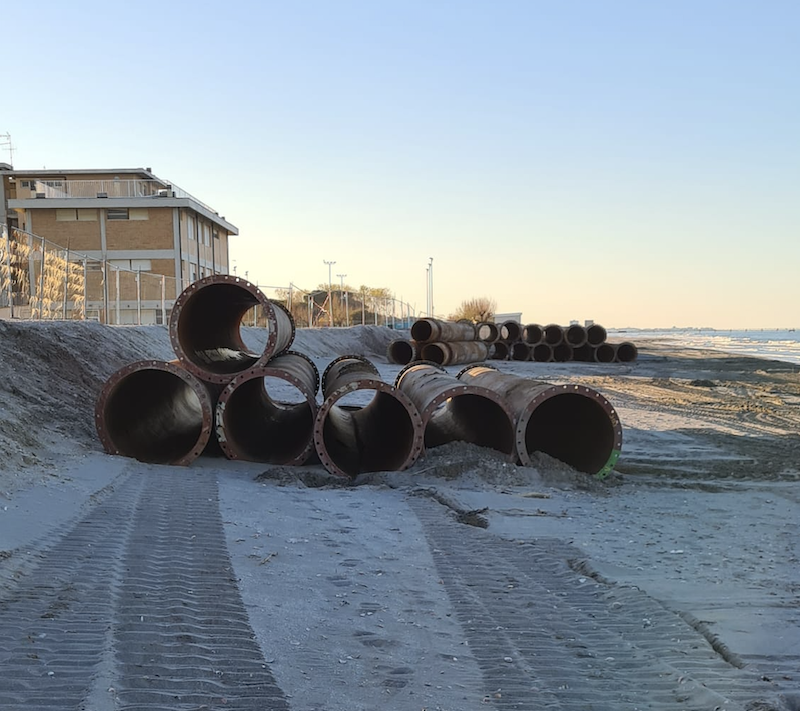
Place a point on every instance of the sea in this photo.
(778, 344)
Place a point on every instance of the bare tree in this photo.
(480, 308)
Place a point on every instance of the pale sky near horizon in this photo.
(632, 162)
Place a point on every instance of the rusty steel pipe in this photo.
(521, 351)
(155, 411)
(626, 352)
(575, 335)
(510, 331)
(605, 353)
(487, 331)
(542, 353)
(364, 424)
(430, 330)
(584, 353)
(572, 423)
(596, 334)
(205, 327)
(533, 334)
(553, 334)
(454, 411)
(562, 353)
(455, 352)
(499, 351)
(402, 351)
(266, 414)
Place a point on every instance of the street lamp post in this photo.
(430, 279)
(346, 302)
(330, 294)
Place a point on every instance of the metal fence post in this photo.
(116, 281)
(41, 283)
(7, 239)
(105, 291)
(66, 284)
(163, 300)
(139, 297)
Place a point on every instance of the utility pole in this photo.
(346, 302)
(430, 278)
(330, 290)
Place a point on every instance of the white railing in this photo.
(112, 189)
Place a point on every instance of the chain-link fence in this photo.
(43, 280)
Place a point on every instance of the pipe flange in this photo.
(109, 389)
(415, 363)
(330, 365)
(379, 386)
(525, 415)
(475, 365)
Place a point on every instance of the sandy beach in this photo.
(673, 584)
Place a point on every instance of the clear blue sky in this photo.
(636, 163)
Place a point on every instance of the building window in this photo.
(117, 213)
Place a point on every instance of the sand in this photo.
(684, 562)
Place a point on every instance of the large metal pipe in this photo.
(499, 351)
(455, 352)
(575, 335)
(510, 331)
(520, 351)
(429, 330)
(542, 353)
(553, 334)
(364, 424)
(402, 351)
(572, 423)
(487, 331)
(205, 327)
(454, 411)
(155, 411)
(533, 333)
(605, 353)
(266, 414)
(595, 334)
(562, 353)
(626, 352)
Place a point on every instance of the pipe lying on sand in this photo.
(626, 352)
(542, 353)
(510, 331)
(364, 424)
(454, 411)
(575, 335)
(266, 414)
(596, 334)
(571, 423)
(553, 334)
(499, 351)
(455, 352)
(605, 353)
(487, 331)
(562, 353)
(520, 351)
(402, 351)
(429, 330)
(205, 327)
(155, 411)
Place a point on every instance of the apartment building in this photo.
(128, 226)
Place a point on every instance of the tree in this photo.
(480, 308)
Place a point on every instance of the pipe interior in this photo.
(562, 353)
(154, 416)
(520, 351)
(375, 437)
(596, 334)
(533, 334)
(401, 352)
(605, 353)
(268, 420)
(626, 352)
(435, 353)
(574, 429)
(542, 353)
(209, 328)
(470, 418)
(553, 335)
(421, 331)
(487, 332)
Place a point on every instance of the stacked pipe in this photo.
(554, 343)
(261, 405)
(446, 342)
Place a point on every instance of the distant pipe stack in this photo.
(364, 424)
(571, 423)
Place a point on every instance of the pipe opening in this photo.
(154, 416)
(533, 333)
(510, 331)
(595, 334)
(422, 330)
(470, 418)
(626, 352)
(574, 429)
(562, 353)
(575, 335)
(209, 329)
(553, 334)
(401, 352)
(436, 353)
(520, 351)
(605, 353)
(487, 332)
(376, 436)
(542, 353)
(268, 420)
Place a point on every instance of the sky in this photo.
(634, 163)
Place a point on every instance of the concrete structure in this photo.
(124, 219)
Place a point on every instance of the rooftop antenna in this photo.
(6, 141)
